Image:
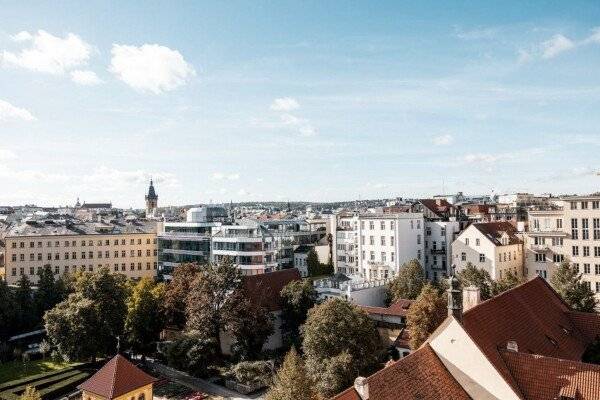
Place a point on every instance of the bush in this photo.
(253, 373)
(192, 353)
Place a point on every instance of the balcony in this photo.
(540, 247)
(439, 251)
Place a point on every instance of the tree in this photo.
(145, 318)
(473, 276)
(7, 311)
(340, 342)
(24, 307)
(292, 380)
(176, 293)
(193, 353)
(592, 353)
(249, 324)
(312, 263)
(297, 297)
(90, 321)
(30, 394)
(408, 283)
(577, 294)
(425, 315)
(45, 348)
(72, 325)
(509, 281)
(209, 304)
(49, 293)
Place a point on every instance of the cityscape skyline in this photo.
(299, 102)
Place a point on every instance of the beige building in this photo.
(568, 231)
(492, 246)
(126, 246)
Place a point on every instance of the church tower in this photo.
(151, 201)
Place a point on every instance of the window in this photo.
(595, 204)
(559, 223)
(481, 257)
(392, 241)
(463, 256)
(584, 205)
(371, 240)
(371, 225)
(586, 268)
(576, 267)
(392, 254)
(382, 225)
(597, 269)
(573, 205)
(418, 239)
(467, 241)
(372, 256)
(597, 287)
(574, 232)
(575, 251)
(540, 257)
(477, 242)
(586, 251)
(596, 225)
(585, 233)
(383, 240)
(383, 256)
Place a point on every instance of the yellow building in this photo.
(123, 245)
(118, 379)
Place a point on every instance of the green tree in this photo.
(145, 317)
(509, 281)
(473, 276)
(45, 348)
(340, 342)
(49, 292)
(312, 263)
(568, 284)
(24, 305)
(297, 298)
(72, 325)
(292, 380)
(194, 353)
(99, 303)
(209, 304)
(249, 324)
(176, 293)
(425, 315)
(408, 283)
(592, 353)
(30, 394)
(7, 311)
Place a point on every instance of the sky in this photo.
(296, 100)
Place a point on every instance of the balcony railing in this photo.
(438, 251)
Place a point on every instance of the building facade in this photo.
(123, 246)
(492, 246)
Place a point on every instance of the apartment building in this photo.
(123, 245)
(374, 246)
(568, 231)
(493, 246)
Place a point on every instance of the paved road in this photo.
(198, 384)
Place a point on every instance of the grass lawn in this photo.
(17, 369)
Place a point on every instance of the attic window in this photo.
(554, 342)
(566, 331)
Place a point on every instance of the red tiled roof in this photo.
(587, 323)
(543, 378)
(116, 378)
(533, 316)
(440, 207)
(265, 289)
(418, 376)
(494, 230)
(398, 309)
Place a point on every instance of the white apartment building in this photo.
(439, 236)
(569, 231)
(492, 246)
(374, 246)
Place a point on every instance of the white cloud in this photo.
(524, 56)
(243, 192)
(85, 77)
(22, 36)
(10, 112)
(48, 53)
(556, 45)
(303, 126)
(594, 37)
(285, 104)
(150, 67)
(6, 154)
(219, 176)
(443, 140)
(483, 158)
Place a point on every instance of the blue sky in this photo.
(296, 100)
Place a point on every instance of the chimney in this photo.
(471, 297)
(511, 345)
(362, 387)
(454, 298)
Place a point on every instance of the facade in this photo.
(189, 241)
(126, 246)
(374, 246)
(568, 231)
(118, 379)
(492, 246)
